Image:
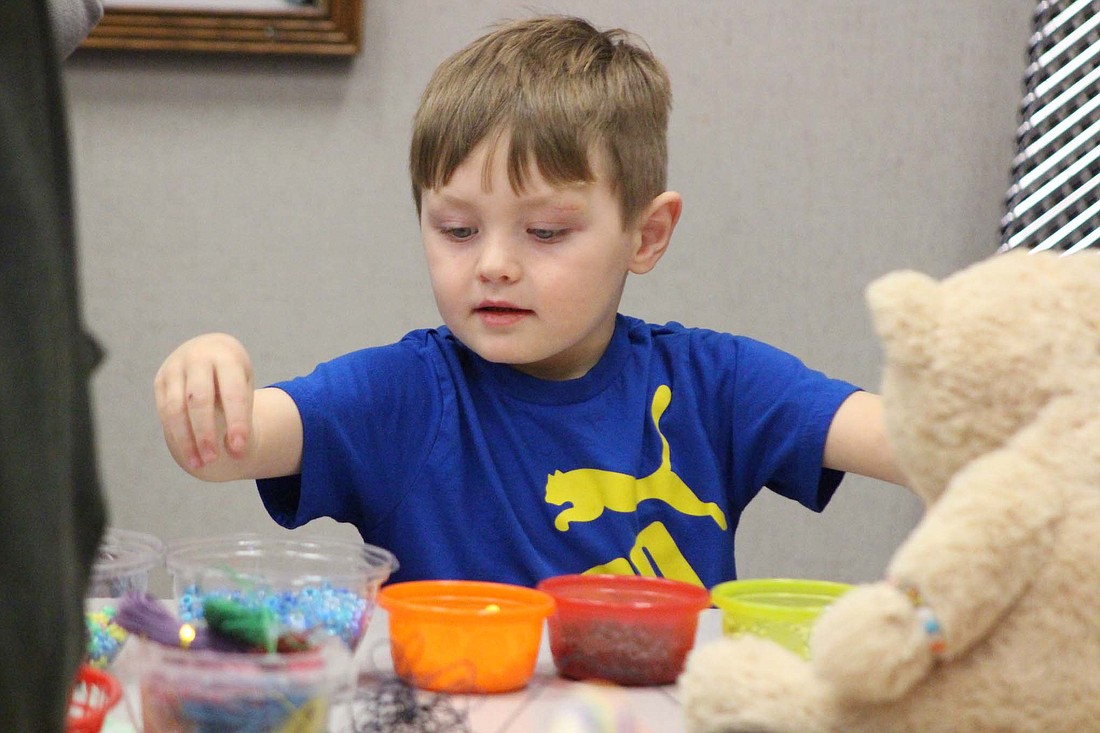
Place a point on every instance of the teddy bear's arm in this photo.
(869, 645)
(964, 564)
(979, 546)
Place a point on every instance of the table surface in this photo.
(530, 710)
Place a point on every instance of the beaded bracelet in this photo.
(937, 642)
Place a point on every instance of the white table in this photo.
(531, 710)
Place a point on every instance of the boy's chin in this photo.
(530, 359)
(504, 351)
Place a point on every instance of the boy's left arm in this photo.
(857, 441)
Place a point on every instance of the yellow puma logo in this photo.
(591, 491)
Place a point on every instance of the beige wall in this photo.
(817, 145)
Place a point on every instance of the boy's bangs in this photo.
(560, 155)
(557, 152)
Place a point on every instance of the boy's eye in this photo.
(546, 235)
(458, 233)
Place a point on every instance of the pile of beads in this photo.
(105, 637)
(339, 611)
(609, 649)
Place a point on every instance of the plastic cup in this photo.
(780, 609)
(310, 584)
(123, 562)
(193, 690)
(626, 629)
(122, 565)
(462, 636)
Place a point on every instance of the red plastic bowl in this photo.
(626, 629)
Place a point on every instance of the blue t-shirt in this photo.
(468, 469)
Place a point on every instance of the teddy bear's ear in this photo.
(905, 310)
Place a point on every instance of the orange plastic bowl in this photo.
(626, 629)
(464, 636)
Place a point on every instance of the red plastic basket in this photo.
(94, 694)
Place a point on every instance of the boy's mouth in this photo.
(492, 306)
(500, 309)
(497, 313)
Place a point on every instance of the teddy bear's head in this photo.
(973, 359)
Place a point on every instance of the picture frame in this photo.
(293, 27)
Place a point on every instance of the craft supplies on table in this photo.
(260, 633)
(333, 673)
(387, 705)
(236, 670)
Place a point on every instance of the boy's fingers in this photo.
(199, 401)
(204, 389)
(234, 388)
(172, 408)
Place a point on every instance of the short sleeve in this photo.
(368, 421)
(782, 413)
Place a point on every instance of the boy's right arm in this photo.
(217, 426)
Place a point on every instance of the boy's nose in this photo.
(498, 260)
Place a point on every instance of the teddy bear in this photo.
(988, 616)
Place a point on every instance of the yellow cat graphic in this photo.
(592, 491)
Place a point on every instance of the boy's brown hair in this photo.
(559, 89)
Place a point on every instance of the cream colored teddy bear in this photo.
(989, 619)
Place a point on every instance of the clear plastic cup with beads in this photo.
(311, 584)
(123, 563)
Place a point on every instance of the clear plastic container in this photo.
(123, 562)
(310, 584)
(122, 565)
(203, 690)
(626, 629)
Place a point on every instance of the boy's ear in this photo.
(654, 231)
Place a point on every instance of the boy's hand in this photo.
(204, 393)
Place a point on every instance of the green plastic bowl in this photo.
(780, 609)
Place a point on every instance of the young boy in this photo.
(538, 432)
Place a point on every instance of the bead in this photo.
(928, 620)
(925, 616)
(187, 635)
